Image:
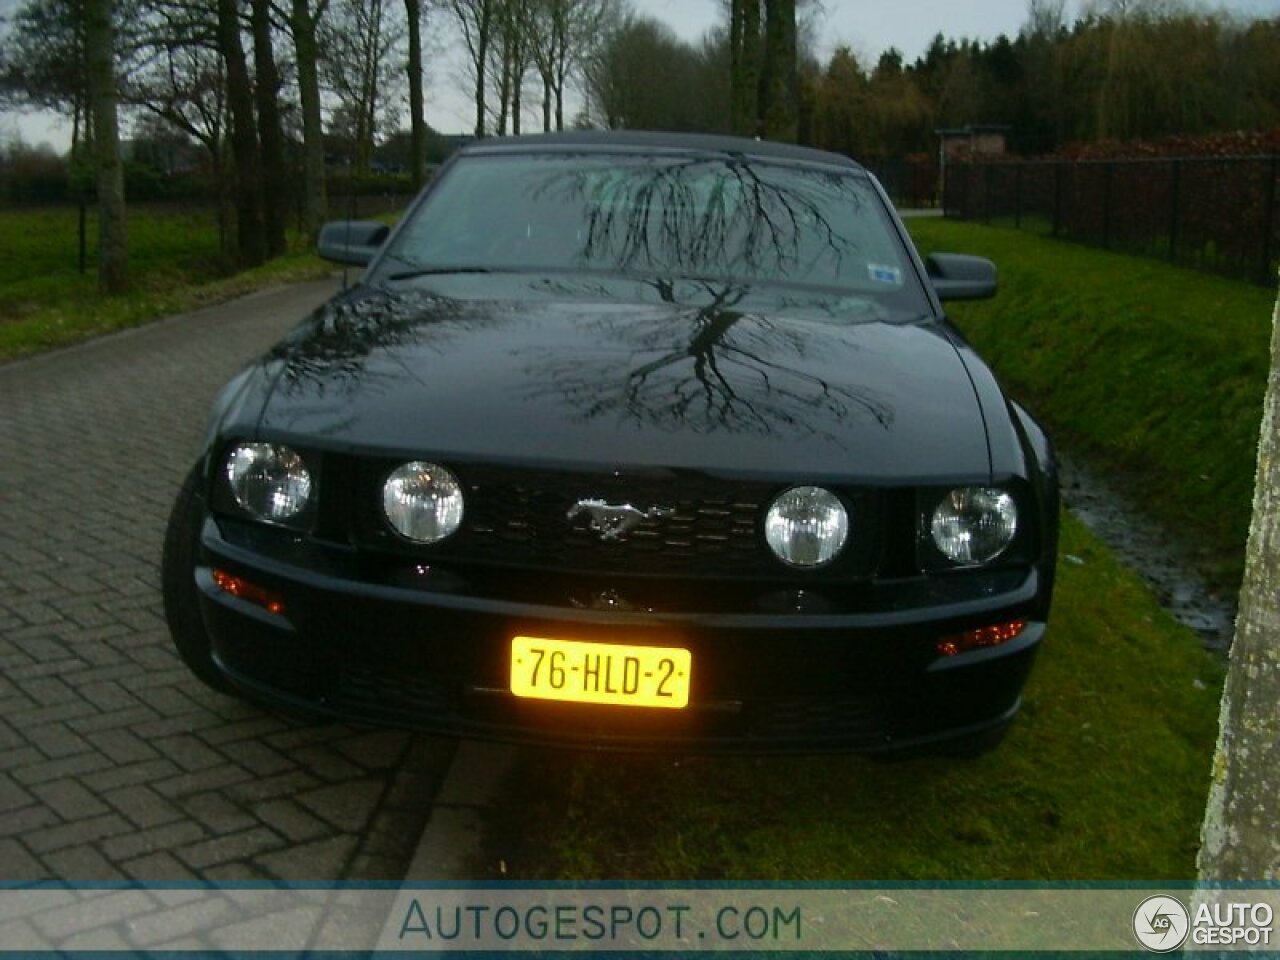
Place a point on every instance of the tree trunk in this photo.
(751, 68)
(1239, 840)
(417, 123)
(780, 102)
(482, 60)
(275, 180)
(504, 77)
(546, 105)
(314, 200)
(113, 235)
(735, 66)
(518, 65)
(250, 242)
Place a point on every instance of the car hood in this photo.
(822, 389)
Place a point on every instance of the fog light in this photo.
(806, 526)
(239, 587)
(422, 502)
(991, 636)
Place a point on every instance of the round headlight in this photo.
(806, 526)
(422, 501)
(973, 525)
(268, 480)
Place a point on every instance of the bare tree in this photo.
(509, 61)
(179, 79)
(251, 246)
(417, 122)
(113, 242)
(1239, 838)
(43, 64)
(563, 35)
(275, 181)
(477, 22)
(690, 92)
(362, 43)
(304, 20)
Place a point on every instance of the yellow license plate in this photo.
(609, 673)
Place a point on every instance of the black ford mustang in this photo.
(628, 440)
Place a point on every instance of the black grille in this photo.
(700, 526)
(697, 526)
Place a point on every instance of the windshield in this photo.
(715, 218)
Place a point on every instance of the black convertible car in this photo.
(628, 440)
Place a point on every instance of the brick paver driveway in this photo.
(114, 762)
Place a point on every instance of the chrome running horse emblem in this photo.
(615, 521)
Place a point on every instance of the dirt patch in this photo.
(1145, 547)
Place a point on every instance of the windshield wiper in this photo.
(432, 271)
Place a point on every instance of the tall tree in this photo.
(779, 104)
(363, 62)
(43, 64)
(180, 82)
(511, 56)
(113, 234)
(688, 93)
(275, 179)
(745, 44)
(1239, 838)
(304, 20)
(477, 21)
(250, 239)
(417, 122)
(562, 36)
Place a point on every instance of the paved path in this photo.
(114, 762)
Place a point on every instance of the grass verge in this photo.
(1103, 777)
(1152, 371)
(46, 302)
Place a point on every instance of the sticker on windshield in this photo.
(884, 274)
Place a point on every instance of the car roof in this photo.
(641, 141)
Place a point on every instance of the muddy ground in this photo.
(1143, 545)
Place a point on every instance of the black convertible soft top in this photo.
(641, 140)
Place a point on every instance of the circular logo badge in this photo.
(1161, 923)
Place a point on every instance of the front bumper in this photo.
(429, 649)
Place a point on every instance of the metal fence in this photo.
(1220, 214)
(912, 182)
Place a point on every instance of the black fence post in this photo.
(1057, 197)
(83, 240)
(1106, 206)
(1175, 197)
(986, 193)
(1017, 197)
(1268, 236)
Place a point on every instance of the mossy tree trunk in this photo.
(1241, 835)
(275, 177)
(113, 234)
(780, 99)
(303, 23)
(251, 243)
(417, 122)
(745, 56)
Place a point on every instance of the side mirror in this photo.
(352, 241)
(956, 276)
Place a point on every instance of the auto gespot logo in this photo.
(1162, 924)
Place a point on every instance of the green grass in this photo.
(1103, 777)
(174, 264)
(1153, 371)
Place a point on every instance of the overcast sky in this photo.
(868, 26)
